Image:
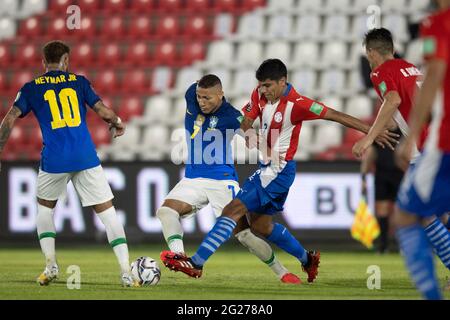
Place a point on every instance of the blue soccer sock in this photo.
(419, 260)
(286, 241)
(439, 237)
(218, 235)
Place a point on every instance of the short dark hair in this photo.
(273, 69)
(379, 40)
(209, 81)
(54, 50)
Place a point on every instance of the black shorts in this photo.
(387, 185)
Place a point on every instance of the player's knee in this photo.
(404, 219)
(163, 212)
(234, 210)
(261, 229)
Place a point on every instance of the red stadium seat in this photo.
(252, 4)
(140, 6)
(109, 54)
(57, 28)
(88, 6)
(192, 51)
(100, 134)
(59, 6)
(196, 26)
(82, 55)
(135, 81)
(165, 53)
(225, 6)
(17, 136)
(352, 136)
(198, 5)
(167, 27)
(106, 82)
(5, 54)
(114, 5)
(138, 54)
(2, 84)
(172, 6)
(34, 135)
(140, 27)
(19, 78)
(31, 27)
(87, 30)
(130, 107)
(113, 27)
(27, 55)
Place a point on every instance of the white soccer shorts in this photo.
(199, 192)
(90, 184)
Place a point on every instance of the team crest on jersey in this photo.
(213, 122)
(278, 117)
(199, 121)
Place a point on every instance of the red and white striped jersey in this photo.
(435, 31)
(281, 122)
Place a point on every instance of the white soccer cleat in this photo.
(128, 281)
(48, 275)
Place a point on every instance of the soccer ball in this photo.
(146, 271)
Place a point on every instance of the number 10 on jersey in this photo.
(70, 108)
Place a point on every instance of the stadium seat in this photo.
(149, 150)
(220, 53)
(138, 54)
(397, 24)
(57, 28)
(17, 137)
(161, 79)
(244, 82)
(116, 6)
(142, 6)
(59, 6)
(27, 55)
(100, 135)
(18, 79)
(361, 6)
(393, 6)
(333, 102)
(165, 53)
(352, 136)
(418, 5)
(82, 55)
(198, 5)
(251, 25)
(306, 53)
(172, 6)
(140, 27)
(88, 29)
(2, 85)
(192, 51)
(334, 53)
(308, 6)
(359, 27)
(414, 52)
(135, 81)
(337, 6)
(125, 147)
(109, 54)
(280, 5)
(279, 26)
(248, 5)
(88, 6)
(225, 6)
(332, 81)
(106, 81)
(31, 27)
(112, 27)
(355, 83)
(307, 26)
(224, 75)
(5, 54)
(157, 109)
(327, 135)
(305, 81)
(196, 27)
(223, 25)
(7, 28)
(167, 27)
(360, 106)
(9, 8)
(178, 112)
(30, 7)
(305, 141)
(336, 27)
(249, 53)
(130, 107)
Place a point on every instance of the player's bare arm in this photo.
(421, 109)
(386, 138)
(109, 116)
(390, 104)
(7, 125)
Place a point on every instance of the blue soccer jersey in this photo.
(209, 139)
(58, 99)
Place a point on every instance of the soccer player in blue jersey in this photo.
(281, 111)
(58, 99)
(210, 177)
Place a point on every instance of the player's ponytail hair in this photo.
(272, 69)
(54, 50)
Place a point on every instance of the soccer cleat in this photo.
(312, 267)
(48, 275)
(128, 281)
(180, 262)
(290, 278)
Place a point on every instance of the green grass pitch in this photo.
(231, 273)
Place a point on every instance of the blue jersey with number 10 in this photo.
(58, 100)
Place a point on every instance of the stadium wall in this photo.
(320, 205)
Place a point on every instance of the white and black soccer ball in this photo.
(146, 271)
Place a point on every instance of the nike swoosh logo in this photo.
(187, 111)
(299, 99)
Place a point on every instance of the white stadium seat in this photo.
(332, 81)
(161, 79)
(8, 28)
(279, 26)
(360, 106)
(306, 53)
(334, 53)
(397, 24)
(249, 53)
(336, 27)
(178, 112)
(333, 102)
(157, 109)
(244, 82)
(185, 78)
(307, 27)
(414, 52)
(280, 50)
(305, 81)
(220, 53)
(224, 75)
(223, 25)
(251, 26)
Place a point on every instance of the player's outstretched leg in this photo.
(116, 238)
(418, 255)
(439, 237)
(310, 260)
(47, 234)
(172, 228)
(264, 252)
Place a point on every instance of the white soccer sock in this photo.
(172, 228)
(46, 232)
(262, 250)
(116, 237)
